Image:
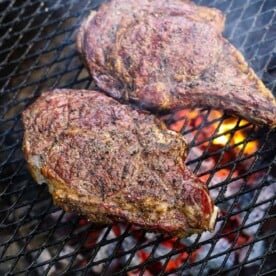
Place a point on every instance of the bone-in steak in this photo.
(110, 162)
(168, 55)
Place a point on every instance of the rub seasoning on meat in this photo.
(167, 55)
(110, 162)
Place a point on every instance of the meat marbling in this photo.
(111, 162)
(168, 55)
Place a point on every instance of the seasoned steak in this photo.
(110, 162)
(168, 55)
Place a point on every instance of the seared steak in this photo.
(110, 162)
(168, 55)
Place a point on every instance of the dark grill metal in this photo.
(38, 53)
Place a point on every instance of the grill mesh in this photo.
(37, 53)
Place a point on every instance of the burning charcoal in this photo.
(196, 270)
(256, 250)
(105, 251)
(215, 180)
(175, 260)
(234, 187)
(161, 250)
(258, 212)
(128, 243)
(203, 252)
(255, 215)
(221, 246)
(152, 236)
(267, 192)
(138, 272)
(190, 240)
(61, 265)
(205, 165)
(141, 255)
(136, 259)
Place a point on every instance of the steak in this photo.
(110, 162)
(168, 55)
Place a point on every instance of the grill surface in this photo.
(38, 53)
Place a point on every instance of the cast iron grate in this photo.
(37, 53)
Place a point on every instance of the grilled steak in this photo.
(110, 162)
(169, 55)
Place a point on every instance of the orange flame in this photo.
(231, 131)
(225, 135)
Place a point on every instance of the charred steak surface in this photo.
(168, 55)
(110, 162)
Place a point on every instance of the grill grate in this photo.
(37, 53)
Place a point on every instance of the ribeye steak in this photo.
(111, 162)
(170, 54)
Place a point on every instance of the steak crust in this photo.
(110, 163)
(169, 55)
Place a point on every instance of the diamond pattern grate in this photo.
(37, 53)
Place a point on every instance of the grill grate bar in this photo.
(223, 253)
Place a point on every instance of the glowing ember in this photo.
(226, 136)
(229, 132)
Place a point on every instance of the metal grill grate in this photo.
(37, 53)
